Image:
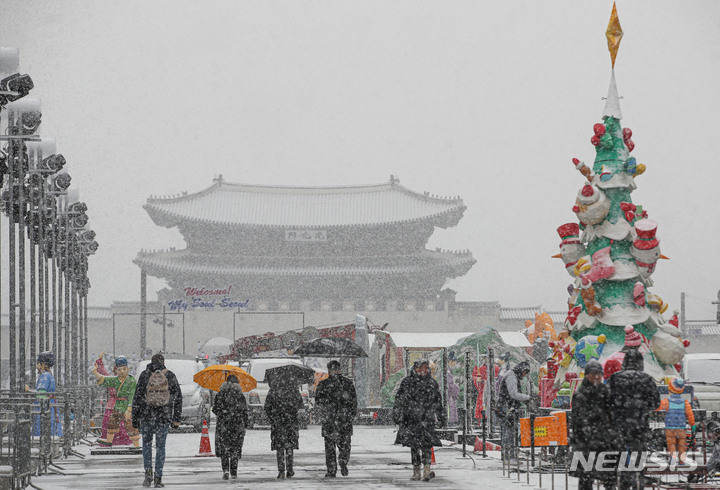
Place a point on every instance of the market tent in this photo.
(417, 340)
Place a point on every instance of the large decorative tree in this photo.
(612, 252)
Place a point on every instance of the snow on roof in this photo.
(173, 261)
(305, 207)
(425, 340)
(515, 339)
(520, 313)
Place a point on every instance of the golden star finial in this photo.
(614, 34)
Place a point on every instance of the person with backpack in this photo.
(157, 404)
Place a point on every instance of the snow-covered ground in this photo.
(374, 463)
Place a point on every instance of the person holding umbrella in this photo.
(336, 401)
(231, 411)
(417, 410)
(281, 406)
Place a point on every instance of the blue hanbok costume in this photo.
(46, 384)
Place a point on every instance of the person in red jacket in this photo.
(678, 414)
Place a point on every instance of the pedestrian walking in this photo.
(156, 405)
(678, 414)
(634, 395)
(508, 407)
(231, 411)
(282, 404)
(418, 410)
(121, 415)
(592, 425)
(336, 402)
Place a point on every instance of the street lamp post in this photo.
(13, 87)
(23, 120)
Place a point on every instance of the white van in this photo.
(702, 371)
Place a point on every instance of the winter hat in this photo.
(677, 385)
(713, 426)
(593, 366)
(420, 362)
(612, 366)
(333, 365)
(632, 338)
(505, 357)
(46, 358)
(522, 367)
(646, 230)
(121, 361)
(232, 379)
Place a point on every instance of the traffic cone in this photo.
(478, 445)
(432, 455)
(489, 446)
(205, 449)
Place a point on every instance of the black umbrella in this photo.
(330, 347)
(290, 374)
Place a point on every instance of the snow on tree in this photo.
(612, 253)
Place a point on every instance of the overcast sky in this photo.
(486, 100)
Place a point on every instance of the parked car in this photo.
(256, 397)
(702, 371)
(196, 400)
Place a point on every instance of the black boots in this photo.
(148, 478)
(158, 482)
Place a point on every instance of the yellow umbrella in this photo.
(213, 376)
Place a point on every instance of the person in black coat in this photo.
(231, 411)
(634, 395)
(155, 420)
(336, 401)
(592, 425)
(418, 409)
(281, 406)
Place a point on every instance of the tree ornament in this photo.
(582, 168)
(588, 296)
(591, 205)
(639, 293)
(570, 247)
(646, 248)
(602, 266)
(589, 348)
(629, 209)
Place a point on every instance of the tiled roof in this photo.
(528, 313)
(695, 328)
(520, 313)
(185, 261)
(558, 317)
(305, 207)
